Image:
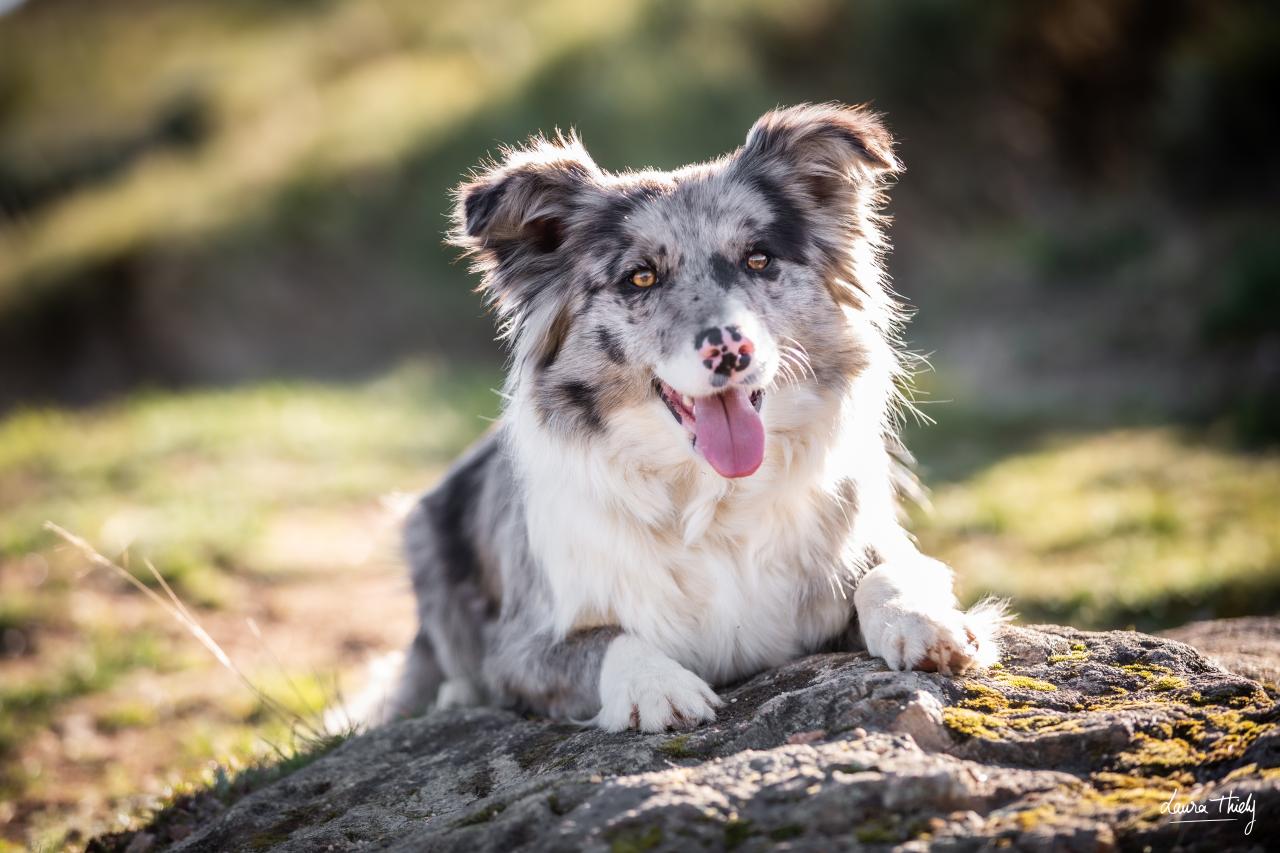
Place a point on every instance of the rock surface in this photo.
(1073, 742)
(1249, 646)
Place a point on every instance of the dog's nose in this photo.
(724, 350)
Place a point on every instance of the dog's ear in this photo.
(513, 217)
(525, 202)
(823, 146)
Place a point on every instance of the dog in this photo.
(695, 477)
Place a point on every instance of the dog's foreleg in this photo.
(909, 617)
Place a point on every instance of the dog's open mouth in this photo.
(725, 427)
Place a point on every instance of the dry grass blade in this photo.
(173, 606)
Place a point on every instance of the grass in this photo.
(291, 98)
(222, 482)
(1146, 527)
(260, 503)
(248, 501)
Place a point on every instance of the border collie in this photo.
(695, 477)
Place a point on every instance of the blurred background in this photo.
(231, 338)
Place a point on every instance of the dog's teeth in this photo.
(687, 400)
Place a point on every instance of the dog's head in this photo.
(699, 290)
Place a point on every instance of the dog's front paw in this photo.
(641, 688)
(945, 640)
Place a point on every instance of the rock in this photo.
(1249, 646)
(1077, 741)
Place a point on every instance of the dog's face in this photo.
(697, 290)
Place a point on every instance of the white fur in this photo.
(909, 617)
(687, 374)
(635, 529)
(458, 693)
(642, 688)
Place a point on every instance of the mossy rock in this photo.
(1076, 741)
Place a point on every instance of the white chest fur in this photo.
(726, 577)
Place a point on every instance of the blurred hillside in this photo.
(221, 190)
(229, 328)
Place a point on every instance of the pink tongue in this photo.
(730, 434)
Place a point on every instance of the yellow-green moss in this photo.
(1156, 754)
(1029, 819)
(1235, 734)
(1148, 672)
(984, 698)
(677, 747)
(972, 723)
(1078, 654)
(1044, 723)
(1026, 682)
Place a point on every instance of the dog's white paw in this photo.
(641, 688)
(944, 640)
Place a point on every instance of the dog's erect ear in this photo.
(526, 201)
(822, 145)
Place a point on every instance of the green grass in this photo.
(324, 91)
(247, 485)
(229, 493)
(193, 480)
(28, 704)
(1145, 527)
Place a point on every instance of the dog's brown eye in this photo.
(644, 278)
(757, 261)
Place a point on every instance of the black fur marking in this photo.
(612, 346)
(587, 302)
(584, 399)
(787, 235)
(711, 334)
(734, 332)
(724, 271)
(608, 226)
(449, 507)
(480, 204)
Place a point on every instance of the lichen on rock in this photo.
(1077, 741)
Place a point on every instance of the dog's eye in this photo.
(644, 277)
(757, 261)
